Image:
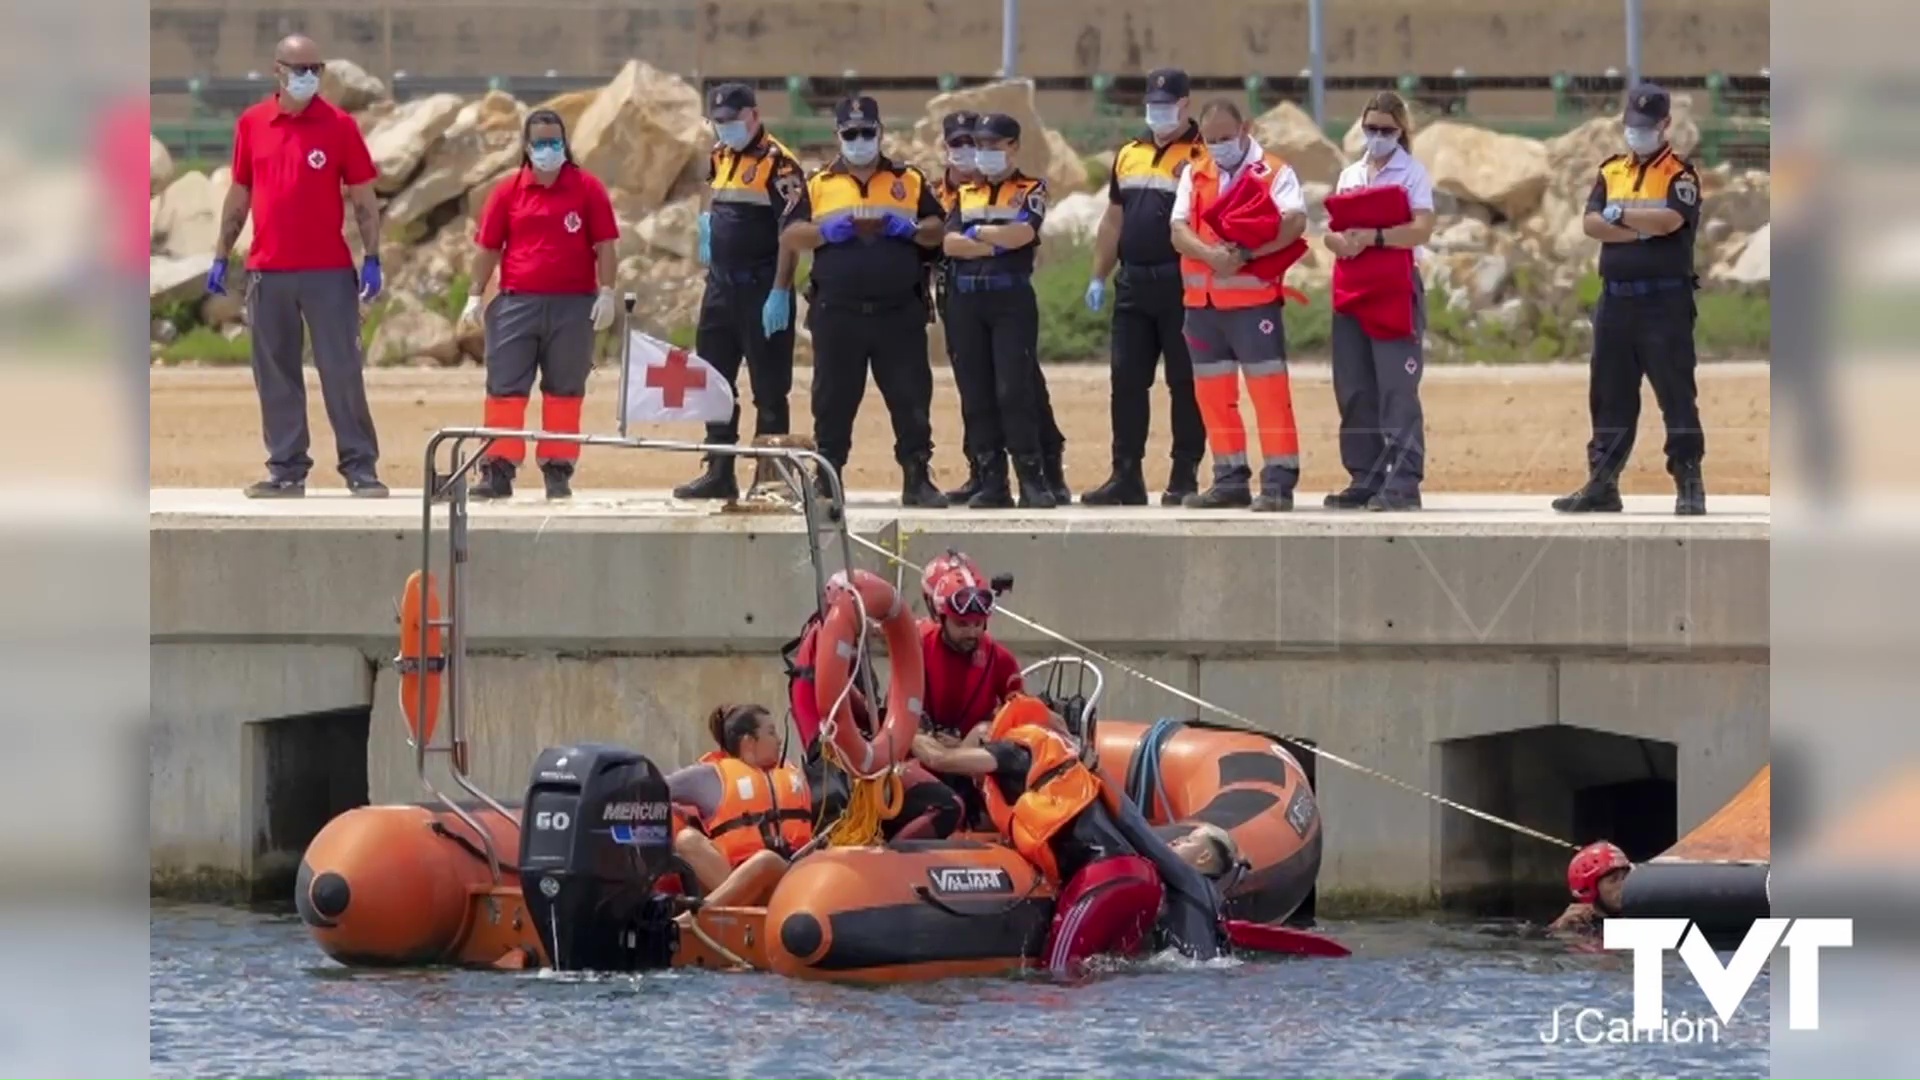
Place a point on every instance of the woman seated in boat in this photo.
(1116, 878)
(753, 811)
(1597, 877)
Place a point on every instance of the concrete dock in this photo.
(1604, 674)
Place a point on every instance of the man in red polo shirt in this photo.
(292, 153)
(969, 675)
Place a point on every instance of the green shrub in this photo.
(205, 345)
(1069, 333)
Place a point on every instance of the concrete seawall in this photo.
(1576, 675)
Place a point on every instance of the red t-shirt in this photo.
(548, 231)
(964, 689)
(295, 165)
(126, 164)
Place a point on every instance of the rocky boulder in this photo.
(172, 278)
(1751, 265)
(1074, 219)
(1043, 152)
(570, 106)
(159, 164)
(673, 230)
(412, 333)
(1504, 172)
(187, 221)
(640, 131)
(454, 166)
(348, 85)
(399, 143)
(1287, 130)
(497, 116)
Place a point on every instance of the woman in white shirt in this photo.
(1377, 383)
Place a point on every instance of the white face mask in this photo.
(960, 157)
(547, 159)
(1380, 147)
(302, 85)
(1644, 141)
(859, 151)
(1163, 118)
(1228, 154)
(990, 162)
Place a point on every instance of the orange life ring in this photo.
(847, 597)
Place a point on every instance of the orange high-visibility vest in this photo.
(1203, 287)
(1059, 786)
(759, 810)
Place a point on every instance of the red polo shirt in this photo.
(965, 689)
(295, 164)
(547, 231)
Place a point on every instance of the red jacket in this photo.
(1245, 215)
(1375, 287)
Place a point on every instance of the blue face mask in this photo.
(961, 157)
(547, 156)
(1163, 118)
(859, 151)
(734, 134)
(1228, 154)
(1643, 141)
(990, 162)
(302, 85)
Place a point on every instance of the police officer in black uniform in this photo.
(1149, 314)
(994, 318)
(872, 225)
(747, 310)
(1644, 210)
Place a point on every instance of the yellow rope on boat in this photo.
(871, 802)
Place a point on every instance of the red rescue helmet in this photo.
(961, 593)
(1592, 863)
(938, 568)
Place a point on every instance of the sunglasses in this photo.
(549, 144)
(304, 69)
(860, 133)
(960, 143)
(971, 602)
(1375, 129)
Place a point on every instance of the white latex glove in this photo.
(603, 310)
(470, 315)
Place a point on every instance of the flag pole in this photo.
(626, 359)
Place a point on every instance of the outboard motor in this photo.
(596, 834)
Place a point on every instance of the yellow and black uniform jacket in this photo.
(866, 268)
(1144, 179)
(1018, 198)
(1664, 180)
(751, 188)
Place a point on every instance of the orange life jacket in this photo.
(1203, 288)
(760, 810)
(1059, 785)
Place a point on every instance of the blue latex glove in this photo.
(777, 313)
(837, 231)
(370, 278)
(899, 227)
(217, 277)
(972, 232)
(1096, 294)
(706, 239)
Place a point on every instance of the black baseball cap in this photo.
(1647, 105)
(1167, 85)
(725, 101)
(856, 112)
(957, 123)
(998, 125)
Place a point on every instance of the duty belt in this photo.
(1646, 287)
(989, 282)
(749, 276)
(1151, 271)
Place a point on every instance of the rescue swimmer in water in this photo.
(747, 812)
(1117, 880)
(1597, 877)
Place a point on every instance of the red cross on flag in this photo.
(669, 383)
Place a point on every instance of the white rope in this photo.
(1242, 721)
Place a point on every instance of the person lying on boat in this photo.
(1118, 882)
(969, 675)
(1211, 850)
(929, 808)
(752, 810)
(1597, 877)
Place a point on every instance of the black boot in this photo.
(1600, 495)
(1035, 493)
(823, 487)
(1690, 490)
(559, 477)
(969, 489)
(916, 486)
(496, 480)
(1353, 498)
(1053, 469)
(1182, 480)
(1126, 487)
(1232, 490)
(718, 482)
(994, 492)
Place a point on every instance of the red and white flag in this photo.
(669, 383)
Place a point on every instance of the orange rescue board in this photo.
(1740, 831)
(418, 668)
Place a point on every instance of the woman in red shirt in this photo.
(550, 230)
